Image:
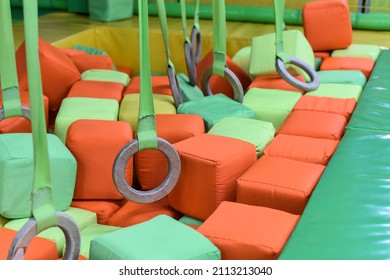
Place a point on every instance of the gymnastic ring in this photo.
(174, 85)
(196, 39)
(25, 113)
(228, 75)
(304, 86)
(190, 63)
(159, 192)
(25, 235)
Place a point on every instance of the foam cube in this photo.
(97, 89)
(344, 91)
(211, 165)
(17, 174)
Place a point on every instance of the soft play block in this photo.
(337, 91)
(104, 209)
(301, 148)
(189, 221)
(132, 213)
(274, 82)
(211, 165)
(216, 107)
(83, 218)
(95, 154)
(327, 24)
(270, 104)
(262, 60)
(242, 58)
(91, 232)
(75, 108)
(353, 77)
(97, 89)
(21, 124)
(217, 83)
(341, 106)
(106, 76)
(359, 50)
(257, 132)
(160, 85)
(246, 232)
(263, 185)
(17, 169)
(151, 166)
(38, 249)
(57, 70)
(86, 62)
(129, 107)
(106, 10)
(314, 124)
(348, 63)
(161, 238)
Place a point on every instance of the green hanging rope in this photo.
(12, 106)
(43, 211)
(219, 54)
(282, 59)
(146, 134)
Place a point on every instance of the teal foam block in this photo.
(110, 10)
(17, 174)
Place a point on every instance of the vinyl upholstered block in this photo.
(144, 242)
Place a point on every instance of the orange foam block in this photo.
(151, 166)
(340, 106)
(327, 24)
(348, 63)
(38, 249)
(246, 232)
(95, 144)
(314, 124)
(86, 62)
(210, 167)
(104, 209)
(160, 85)
(132, 213)
(97, 89)
(301, 148)
(58, 72)
(264, 185)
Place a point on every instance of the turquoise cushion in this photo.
(257, 132)
(271, 105)
(83, 219)
(187, 220)
(187, 91)
(17, 174)
(214, 108)
(160, 238)
(75, 108)
(351, 77)
(106, 10)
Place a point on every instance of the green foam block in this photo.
(17, 174)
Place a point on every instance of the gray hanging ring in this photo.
(159, 192)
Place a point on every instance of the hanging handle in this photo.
(146, 134)
(44, 214)
(219, 55)
(282, 59)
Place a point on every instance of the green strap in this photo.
(184, 21)
(9, 78)
(219, 38)
(279, 27)
(162, 15)
(146, 134)
(42, 202)
(196, 14)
